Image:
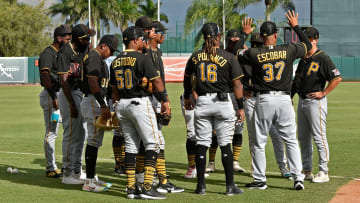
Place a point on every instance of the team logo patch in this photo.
(336, 72)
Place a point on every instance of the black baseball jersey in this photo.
(158, 63)
(47, 62)
(95, 66)
(69, 61)
(272, 66)
(313, 72)
(213, 73)
(126, 71)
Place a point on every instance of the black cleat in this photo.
(151, 194)
(200, 189)
(257, 185)
(299, 185)
(169, 188)
(133, 193)
(120, 171)
(233, 190)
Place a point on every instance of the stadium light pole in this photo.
(224, 23)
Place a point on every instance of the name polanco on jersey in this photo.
(202, 56)
(270, 56)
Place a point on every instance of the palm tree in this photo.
(102, 11)
(271, 5)
(202, 11)
(150, 9)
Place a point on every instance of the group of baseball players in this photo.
(222, 88)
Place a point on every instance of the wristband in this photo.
(99, 99)
(240, 103)
(52, 93)
(161, 96)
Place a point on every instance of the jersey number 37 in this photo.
(269, 71)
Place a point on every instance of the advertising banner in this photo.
(13, 70)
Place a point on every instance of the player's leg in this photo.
(146, 126)
(51, 132)
(224, 124)
(286, 125)
(279, 152)
(118, 145)
(264, 112)
(318, 109)
(249, 106)
(237, 145)
(67, 151)
(305, 137)
(79, 134)
(212, 153)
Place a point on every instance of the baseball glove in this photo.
(146, 84)
(163, 119)
(107, 124)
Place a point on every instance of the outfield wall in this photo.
(25, 70)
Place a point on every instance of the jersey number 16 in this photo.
(208, 72)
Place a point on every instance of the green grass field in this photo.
(21, 146)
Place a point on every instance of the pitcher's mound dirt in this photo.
(349, 193)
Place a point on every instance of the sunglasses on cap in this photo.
(160, 32)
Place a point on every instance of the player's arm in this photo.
(237, 88)
(188, 104)
(45, 65)
(293, 22)
(63, 66)
(113, 84)
(247, 29)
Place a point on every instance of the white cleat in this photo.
(321, 177)
(102, 183)
(191, 173)
(237, 167)
(211, 167)
(91, 185)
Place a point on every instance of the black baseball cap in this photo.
(132, 33)
(62, 30)
(144, 22)
(82, 31)
(233, 33)
(255, 38)
(312, 32)
(111, 41)
(210, 30)
(158, 26)
(268, 28)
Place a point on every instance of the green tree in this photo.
(149, 8)
(23, 30)
(102, 12)
(202, 11)
(271, 5)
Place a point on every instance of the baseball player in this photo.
(118, 145)
(250, 98)
(271, 78)
(217, 73)
(165, 186)
(311, 75)
(234, 42)
(95, 76)
(128, 72)
(48, 97)
(68, 64)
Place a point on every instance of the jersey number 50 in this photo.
(208, 73)
(124, 78)
(269, 71)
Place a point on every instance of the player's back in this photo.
(214, 73)
(273, 66)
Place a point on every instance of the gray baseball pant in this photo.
(312, 124)
(51, 130)
(74, 133)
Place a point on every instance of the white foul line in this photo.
(103, 159)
